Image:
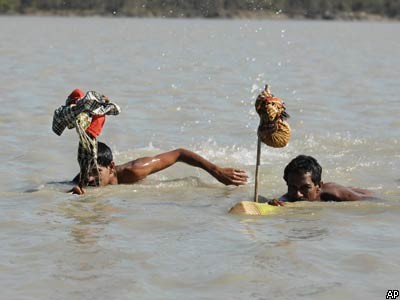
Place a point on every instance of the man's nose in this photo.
(92, 180)
(299, 195)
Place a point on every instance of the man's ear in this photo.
(319, 186)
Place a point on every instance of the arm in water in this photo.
(140, 168)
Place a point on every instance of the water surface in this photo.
(192, 84)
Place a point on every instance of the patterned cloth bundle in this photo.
(86, 113)
(273, 130)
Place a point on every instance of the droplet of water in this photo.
(254, 88)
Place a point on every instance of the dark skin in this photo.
(136, 170)
(302, 188)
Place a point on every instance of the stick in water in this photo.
(257, 167)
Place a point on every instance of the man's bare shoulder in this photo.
(130, 172)
(332, 191)
(331, 187)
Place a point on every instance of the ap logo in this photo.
(392, 294)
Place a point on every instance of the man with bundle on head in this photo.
(138, 169)
(87, 113)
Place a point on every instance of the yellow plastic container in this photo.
(253, 208)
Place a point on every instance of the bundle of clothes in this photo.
(86, 113)
(273, 130)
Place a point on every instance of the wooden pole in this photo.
(257, 168)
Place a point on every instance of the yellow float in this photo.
(253, 208)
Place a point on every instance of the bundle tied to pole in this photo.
(273, 130)
(85, 113)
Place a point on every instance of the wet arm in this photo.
(226, 176)
(149, 165)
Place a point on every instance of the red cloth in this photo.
(97, 123)
(96, 126)
(76, 95)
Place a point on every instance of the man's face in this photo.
(301, 187)
(100, 178)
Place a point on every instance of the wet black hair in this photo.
(304, 163)
(104, 155)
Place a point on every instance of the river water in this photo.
(192, 84)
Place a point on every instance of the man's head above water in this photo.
(104, 155)
(303, 179)
(105, 172)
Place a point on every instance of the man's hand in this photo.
(76, 190)
(229, 176)
(276, 202)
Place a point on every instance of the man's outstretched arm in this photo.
(142, 167)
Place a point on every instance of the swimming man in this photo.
(303, 179)
(136, 170)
